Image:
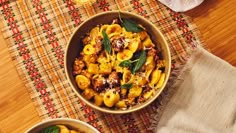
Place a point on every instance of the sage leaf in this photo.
(131, 26)
(126, 86)
(125, 63)
(106, 42)
(140, 62)
(51, 129)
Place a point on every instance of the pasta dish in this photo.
(119, 66)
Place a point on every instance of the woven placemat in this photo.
(37, 32)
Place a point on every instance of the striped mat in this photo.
(37, 32)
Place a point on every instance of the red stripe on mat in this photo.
(89, 113)
(103, 5)
(48, 28)
(182, 26)
(29, 65)
(73, 12)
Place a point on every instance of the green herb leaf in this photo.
(126, 86)
(140, 62)
(51, 129)
(125, 63)
(135, 65)
(106, 42)
(131, 26)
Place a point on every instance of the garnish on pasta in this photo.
(119, 67)
(59, 129)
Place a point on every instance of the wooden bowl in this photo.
(68, 122)
(74, 47)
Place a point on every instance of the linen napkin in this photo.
(203, 98)
(181, 5)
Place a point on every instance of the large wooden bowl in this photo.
(74, 47)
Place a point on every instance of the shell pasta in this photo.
(118, 68)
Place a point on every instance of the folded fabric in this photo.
(203, 98)
(181, 5)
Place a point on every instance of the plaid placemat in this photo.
(37, 32)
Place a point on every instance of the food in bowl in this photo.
(62, 125)
(59, 129)
(119, 65)
(75, 47)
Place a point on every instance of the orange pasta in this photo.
(118, 68)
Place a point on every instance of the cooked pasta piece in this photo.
(127, 34)
(111, 97)
(82, 82)
(148, 73)
(88, 93)
(98, 100)
(121, 104)
(123, 91)
(143, 35)
(148, 43)
(116, 66)
(93, 68)
(113, 30)
(103, 28)
(63, 129)
(103, 57)
(94, 33)
(89, 49)
(74, 131)
(124, 55)
(134, 45)
(90, 58)
(150, 60)
(148, 94)
(141, 80)
(135, 92)
(155, 76)
(127, 76)
(105, 68)
(161, 81)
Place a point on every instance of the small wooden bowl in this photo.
(68, 122)
(74, 47)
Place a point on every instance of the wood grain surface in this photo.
(216, 20)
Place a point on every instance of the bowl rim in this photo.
(130, 110)
(62, 120)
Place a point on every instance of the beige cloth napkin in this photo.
(204, 98)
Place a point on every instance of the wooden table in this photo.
(216, 19)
